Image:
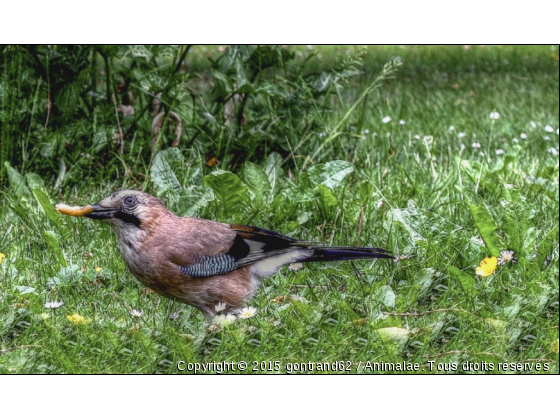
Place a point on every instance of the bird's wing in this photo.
(211, 248)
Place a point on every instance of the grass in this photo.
(441, 184)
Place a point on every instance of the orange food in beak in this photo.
(75, 211)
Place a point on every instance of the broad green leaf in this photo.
(385, 296)
(192, 199)
(230, 192)
(46, 205)
(34, 181)
(140, 51)
(241, 74)
(496, 324)
(516, 229)
(165, 170)
(467, 282)
(210, 118)
(38, 190)
(100, 139)
(366, 191)
(422, 281)
(54, 244)
(327, 196)
(25, 290)
(17, 182)
(49, 147)
(544, 249)
(273, 169)
(486, 229)
(246, 88)
(303, 217)
(330, 174)
(323, 82)
(394, 338)
(393, 333)
(66, 275)
(256, 180)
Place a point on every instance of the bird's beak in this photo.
(100, 213)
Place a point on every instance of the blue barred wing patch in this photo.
(211, 266)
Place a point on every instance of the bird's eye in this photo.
(130, 200)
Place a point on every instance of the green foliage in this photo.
(486, 228)
(308, 152)
(92, 106)
(257, 183)
(53, 241)
(466, 281)
(231, 194)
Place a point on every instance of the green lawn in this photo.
(452, 160)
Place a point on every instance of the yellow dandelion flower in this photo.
(2, 256)
(77, 319)
(98, 269)
(487, 267)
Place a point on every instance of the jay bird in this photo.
(201, 262)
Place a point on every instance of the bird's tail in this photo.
(338, 253)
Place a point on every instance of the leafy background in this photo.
(386, 146)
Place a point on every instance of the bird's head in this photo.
(127, 209)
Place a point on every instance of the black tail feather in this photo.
(335, 253)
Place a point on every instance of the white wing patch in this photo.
(271, 265)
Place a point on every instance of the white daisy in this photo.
(523, 136)
(548, 129)
(500, 151)
(53, 305)
(136, 313)
(247, 312)
(402, 122)
(224, 320)
(386, 120)
(506, 257)
(475, 145)
(295, 266)
(494, 115)
(220, 307)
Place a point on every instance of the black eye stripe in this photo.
(128, 218)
